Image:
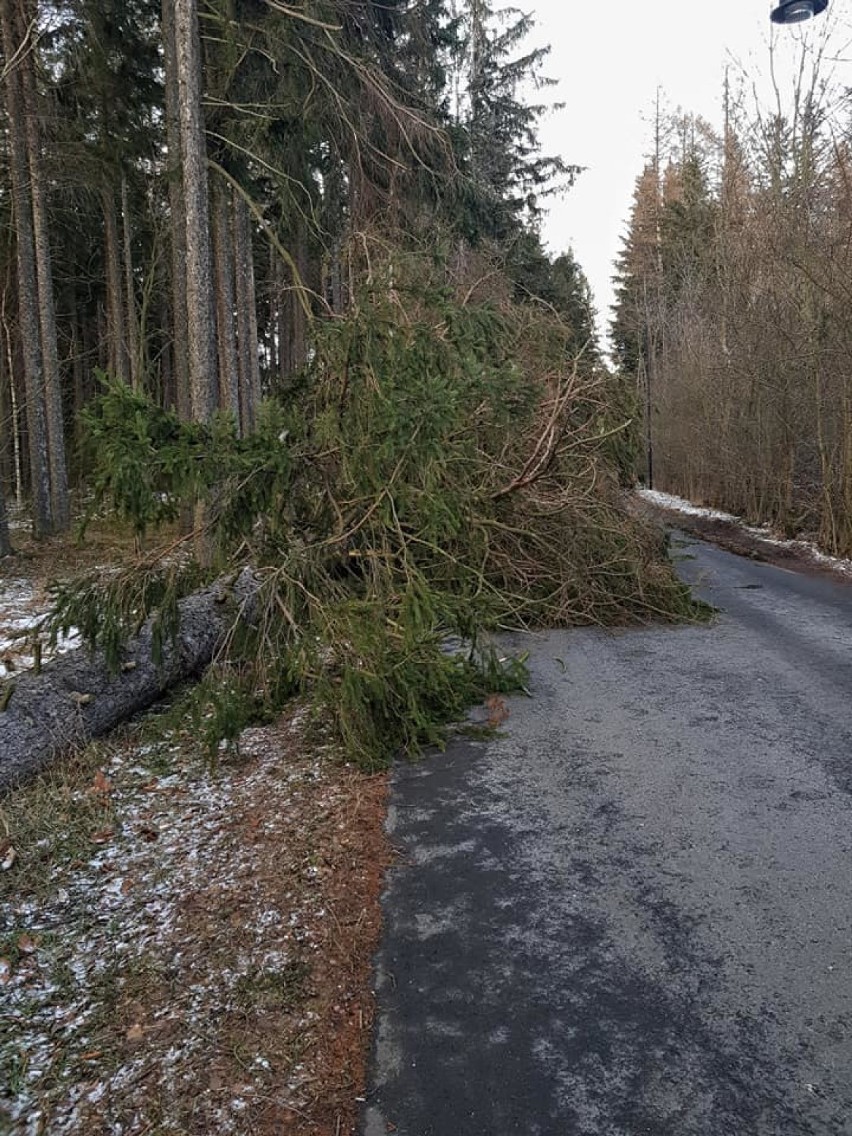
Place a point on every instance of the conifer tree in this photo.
(178, 329)
(294, 133)
(18, 56)
(107, 63)
(200, 303)
(639, 277)
(54, 417)
(507, 170)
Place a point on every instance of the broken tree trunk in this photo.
(77, 697)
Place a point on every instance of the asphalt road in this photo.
(632, 913)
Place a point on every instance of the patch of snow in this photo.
(669, 501)
(836, 563)
(22, 608)
(128, 912)
(761, 532)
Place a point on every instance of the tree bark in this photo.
(7, 418)
(167, 373)
(246, 317)
(117, 364)
(11, 415)
(78, 377)
(5, 541)
(131, 314)
(19, 444)
(279, 279)
(201, 316)
(77, 697)
(202, 370)
(177, 207)
(293, 327)
(299, 321)
(223, 256)
(28, 306)
(54, 417)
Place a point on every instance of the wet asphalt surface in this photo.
(632, 912)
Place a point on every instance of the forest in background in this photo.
(733, 306)
(181, 189)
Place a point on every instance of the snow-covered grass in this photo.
(763, 533)
(25, 576)
(16, 517)
(159, 932)
(23, 605)
(668, 501)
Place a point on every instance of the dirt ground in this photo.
(189, 950)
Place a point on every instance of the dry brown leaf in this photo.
(27, 944)
(10, 855)
(5, 971)
(91, 1055)
(101, 784)
(126, 885)
(135, 1033)
(149, 832)
(103, 836)
(498, 711)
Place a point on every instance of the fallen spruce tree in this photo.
(444, 469)
(85, 694)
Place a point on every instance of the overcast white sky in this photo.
(610, 56)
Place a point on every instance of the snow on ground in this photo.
(668, 501)
(22, 606)
(129, 925)
(16, 517)
(764, 533)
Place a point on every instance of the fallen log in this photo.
(78, 697)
